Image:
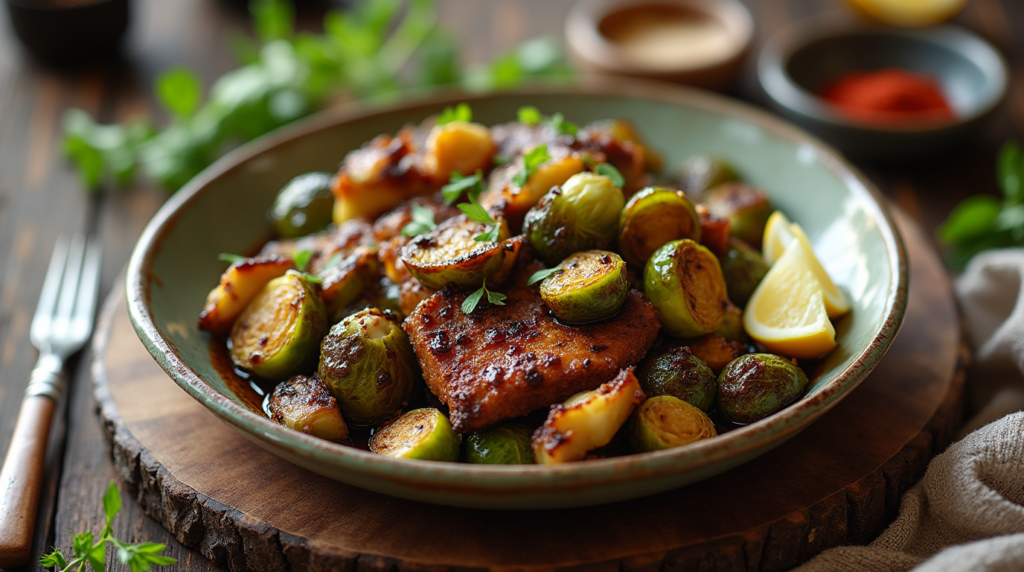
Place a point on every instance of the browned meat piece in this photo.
(504, 361)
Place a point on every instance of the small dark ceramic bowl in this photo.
(795, 64)
(69, 32)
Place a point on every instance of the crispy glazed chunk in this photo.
(504, 361)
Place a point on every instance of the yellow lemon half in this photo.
(786, 313)
(779, 234)
(909, 13)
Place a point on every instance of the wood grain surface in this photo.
(40, 196)
(837, 482)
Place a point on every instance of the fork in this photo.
(62, 324)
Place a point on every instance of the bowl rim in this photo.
(784, 91)
(451, 478)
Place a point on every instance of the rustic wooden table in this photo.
(40, 196)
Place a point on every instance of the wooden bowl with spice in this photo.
(884, 93)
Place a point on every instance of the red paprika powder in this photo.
(888, 96)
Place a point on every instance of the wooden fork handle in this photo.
(22, 475)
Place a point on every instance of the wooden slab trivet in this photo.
(838, 482)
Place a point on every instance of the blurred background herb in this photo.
(983, 222)
(367, 53)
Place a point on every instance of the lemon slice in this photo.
(786, 313)
(779, 234)
(909, 13)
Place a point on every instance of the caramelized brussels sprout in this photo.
(238, 286)
(580, 215)
(754, 386)
(279, 332)
(449, 254)
(664, 422)
(702, 172)
(343, 283)
(304, 206)
(424, 434)
(651, 218)
(367, 362)
(731, 328)
(684, 282)
(743, 269)
(678, 373)
(747, 209)
(304, 404)
(506, 443)
(588, 286)
(458, 147)
(586, 420)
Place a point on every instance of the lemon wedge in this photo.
(786, 313)
(909, 13)
(779, 235)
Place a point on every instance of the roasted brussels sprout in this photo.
(238, 286)
(304, 404)
(366, 361)
(702, 172)
(424, 434)
(279, 332)
(684, 282)
(746, 207)
(458, 147)
(343, 283)
(506, 443)
(731, 328)
(678, 373)
(588, 286)
(304, 206)
(449, 254)
(586, 420)
(651, 218)
(664, 422)
(743, 269)
(580, 215)
(754, 386)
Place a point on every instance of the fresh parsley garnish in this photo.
(563, 127)
(422, 221)
(459, 184)
(542, 274)
(312, 278)
(301, 259)
(461, 112)
(535, 158)
(333, 261)
(229, 258)
(477, 213)
(471, 301)
(529, 115)
(501, 159)
(609, 170)
(87, 549)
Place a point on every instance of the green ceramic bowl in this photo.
(223, 210)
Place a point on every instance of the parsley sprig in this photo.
(87, 549)
(542, 275)
(422, 221)
(471, 301)
(460, 184)
(477, 213)
(229, 258)
(533, 159)
(609, 170)
(461, 112)
(530, 115)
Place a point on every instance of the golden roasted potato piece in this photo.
(515, 201)
(714, 350)
(304, 404)
(377, 177)
(238, 286)
(458, 147)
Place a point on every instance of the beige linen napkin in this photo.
(967, 513)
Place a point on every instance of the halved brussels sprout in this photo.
(424, 434)
(664, 422)
(731, 328)
(754, 386)
(304, 404)
(278, 334)
(746, 207)
(303, 206)
(743, 269)
(238, 286)
(367, 362)
(651, 218)
(580, 215)
(586, 420)
(449, 254)
(458, 147)
(702, 172)
(678, 373)
(344, 282)
(505, 443)
(685, 284)
(588, 287)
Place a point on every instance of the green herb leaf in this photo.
(471, 301)
(609, 170)
(422, 221)
(1009, 170)
(496, 298)
(312, 278)
(112, 500)
(460, 112)
(501, 159)
(180, 91)
(97, 558)
(475, 212)
(490, 236)
(529, 115)
(301, 259)
(273, 19)
(563, 127)
(542, 275)
(230, 258)
(333, 261)
(531, 160)
(54, 560)
(459, 184)
(81, 544)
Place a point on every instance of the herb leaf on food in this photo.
(531, 160)
(460, 112)
(422, 221)
(541, 275)
(301, 259)
(473, 300)
(230, 258)
(458, 184)
(609, 170)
